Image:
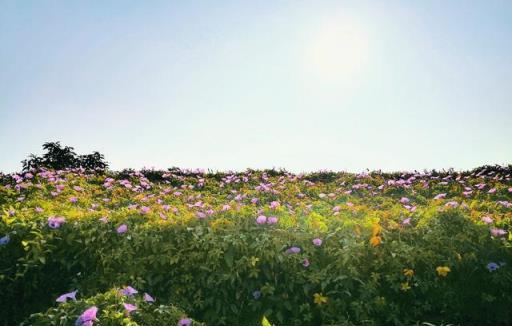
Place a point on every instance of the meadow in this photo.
(192, 247)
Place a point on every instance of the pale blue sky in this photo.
(304, 85)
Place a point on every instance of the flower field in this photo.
(183, 247)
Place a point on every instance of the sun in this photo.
(337, 49)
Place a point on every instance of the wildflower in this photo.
(274, 205)
(87, 317)
(375, 241)
(487, 219)
(492, 267)
(452, 204)
(272, 220)
(55, 222)
(317, 242)
(129, 308)
(440, 196)
(148, 298)
(305, 262)
(38, 210)
(319, 298)
(12, 212)
(184, 322)
(262, 219)
(104, 219)
(404, 200)
(144, 210)
(254, 201)
(73, 199)
(129, 291)
(406, 221)
(405, 286)
(66, 296)
(122, 229)
(200, 215)
(349, 204)
(256, 294)
(293, 250)
(4, 240)
(336, 209)
(443, 270)
(408, 272)
(495, 232)
(77, 188)
(492, 191)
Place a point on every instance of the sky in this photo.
(230, 85)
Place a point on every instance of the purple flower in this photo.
(77, 188)
(129, 291)
(200, 215)
(73, 199)
(305, 262)
(148, 298)
(452, 204)
(12, 212)
(129, 307)
(487, 219)
(4, 240)
(254, 201)
(317, 242)
(406, 221)
(262, 219)
(104, 219)
(54, 222)
(492, 267)
(38, 210)
(272, 220)
(274, 204)
(87, 317)
(122, 229)
(440, 196)
(293, 250)
(185, 322)
(498, 232)
(66, 296)
(404, 200)
(144, 209)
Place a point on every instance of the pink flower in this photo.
(317, 242)
(129, 291)
(406, 221)
(66, 296)
(404, 200)
(129, 307)
(38, 210)
(492, 191)
(452, 204)
(440, 196)
(200, 215)
(495, 232)
(336, 208)
(262, 219)
(272, 220)
(487, 219)
(144, 209)
(148, 298)
(87, 317)
(77, 188)
(274, 204)
(510, 189)
(305, 262)
(122, 229)
(349, 204)
(55, 222)
(73, 199)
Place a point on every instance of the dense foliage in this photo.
(229, 248)
(58, 157)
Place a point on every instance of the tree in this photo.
(58, 158)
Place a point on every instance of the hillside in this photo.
(188, 247)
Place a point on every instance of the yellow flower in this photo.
(319, 298)
(405, 286)
(376, 230)
(375, 241)
(408, 272)
(443, 270)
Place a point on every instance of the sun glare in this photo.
(337, 50)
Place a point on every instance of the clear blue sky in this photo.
(304, 85)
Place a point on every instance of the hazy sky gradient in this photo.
(398, 85)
